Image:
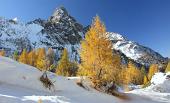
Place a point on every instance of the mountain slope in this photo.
(135, 51)
(19, 83)
(62, 31)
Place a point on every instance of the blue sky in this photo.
(144, 21)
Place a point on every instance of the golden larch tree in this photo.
(96, 55)
(129, 73)
(133, 74)
(2, 53)
(41, 59)
(50, 57)
(168, 67)
(152, 70)
(145, 80)
(23, 57)
(64, 65)
(32, 58)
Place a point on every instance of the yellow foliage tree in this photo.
(32, 58)
(145, 81)
(168, 67)
(121, 74)
(129, 73)
(64, 66)
(152, 70)
(133, 75)
(138, 77)
(144, 75)
(2, 53)
(23, 57)
(96, 55)
(117, 61)
(41, 59)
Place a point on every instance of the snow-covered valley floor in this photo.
(19, 83)
(155, 96)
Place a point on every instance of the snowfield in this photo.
(19, 83)
(159, 90)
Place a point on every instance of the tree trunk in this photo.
(100, 71)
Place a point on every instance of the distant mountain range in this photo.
(62, 31)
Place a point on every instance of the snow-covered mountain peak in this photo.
(135, 51)
(115, 36)
(58, 14)
(15, 19)
(59, 32)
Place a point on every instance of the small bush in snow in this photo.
(46, 81)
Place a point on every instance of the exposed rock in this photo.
(62, 31)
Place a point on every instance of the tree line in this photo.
(45, 61)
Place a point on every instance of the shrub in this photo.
(46, 81)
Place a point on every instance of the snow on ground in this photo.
(160, 83)
(159, 90)
(19, 83)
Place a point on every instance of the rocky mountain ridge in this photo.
(60, 31)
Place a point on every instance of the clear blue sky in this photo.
(144, 21)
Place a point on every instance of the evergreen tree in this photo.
(144, 74)
(96, 55)
(50, 57)
(52, 68)
(23, 57)
(143, 70)
(138, 77)
(74, 68)
(15, 55)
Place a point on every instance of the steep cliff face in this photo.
(59, 31)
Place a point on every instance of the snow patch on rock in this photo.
(160, 82)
